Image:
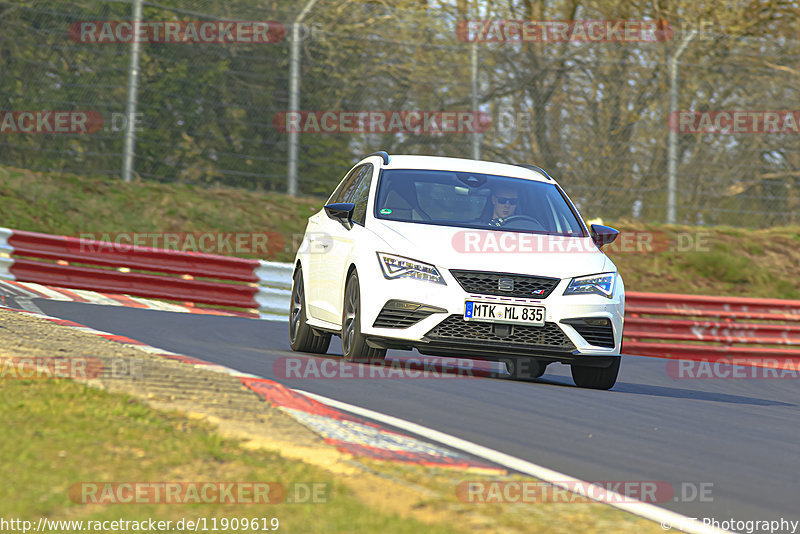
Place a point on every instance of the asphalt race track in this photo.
(740, 435)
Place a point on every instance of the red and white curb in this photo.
(346, 432)
(33, 290)
(360, 437)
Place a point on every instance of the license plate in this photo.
(492, 312)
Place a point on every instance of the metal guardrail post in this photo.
(274, 289)
(6, 249)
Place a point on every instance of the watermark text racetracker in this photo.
(642, 242)
(735, 122)
(735, 369)
(578, 491)
(559, 31)
(45, 121)
(310, 368)
(382, 121)
(50, 121)
(258, 243)
(176, 32)
(208, 492)
(67, 367)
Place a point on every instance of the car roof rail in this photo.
(382, 153)
(534, 168)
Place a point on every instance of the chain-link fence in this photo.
(593, 112)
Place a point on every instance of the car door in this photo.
(332, 244)
(343, 241)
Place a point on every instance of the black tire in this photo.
(354, 345)
(596, 377)
(303, 338)
(525, 368)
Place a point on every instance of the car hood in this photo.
(493, 250)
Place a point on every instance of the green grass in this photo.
(722, 261)
(59, 433)
(72, 205)
(719, 265)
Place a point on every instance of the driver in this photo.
(504, 204)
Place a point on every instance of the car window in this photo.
(346, 185)
(351, 190)
(449, 201)
(467, 199)
(361, 194)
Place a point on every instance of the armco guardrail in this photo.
(656, 324)
(165, 274)
(697, 327)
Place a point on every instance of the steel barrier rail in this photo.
(701, 303)
(142, 285)
(721, 328)
(722, 332)
(73, 249)
(101, 266)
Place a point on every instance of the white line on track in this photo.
(669, 520)
(27, 304)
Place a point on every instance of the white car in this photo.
(459, 258)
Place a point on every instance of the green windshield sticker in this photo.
(386, 211)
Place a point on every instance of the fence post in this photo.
(672, 154)
(476, 136)
(133, 88)
(294, 98)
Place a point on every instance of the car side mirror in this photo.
(603, 235)
(342, 212)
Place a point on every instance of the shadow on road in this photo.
(680, 393)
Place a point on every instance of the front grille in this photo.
(600, 334)
(401, 314)
(488, 283)
(455, 329)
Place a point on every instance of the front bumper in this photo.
(446, 333)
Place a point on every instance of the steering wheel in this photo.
(523, 218)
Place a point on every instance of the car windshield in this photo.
(474, 200)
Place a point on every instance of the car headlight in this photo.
(395, 267)
(596, 284)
